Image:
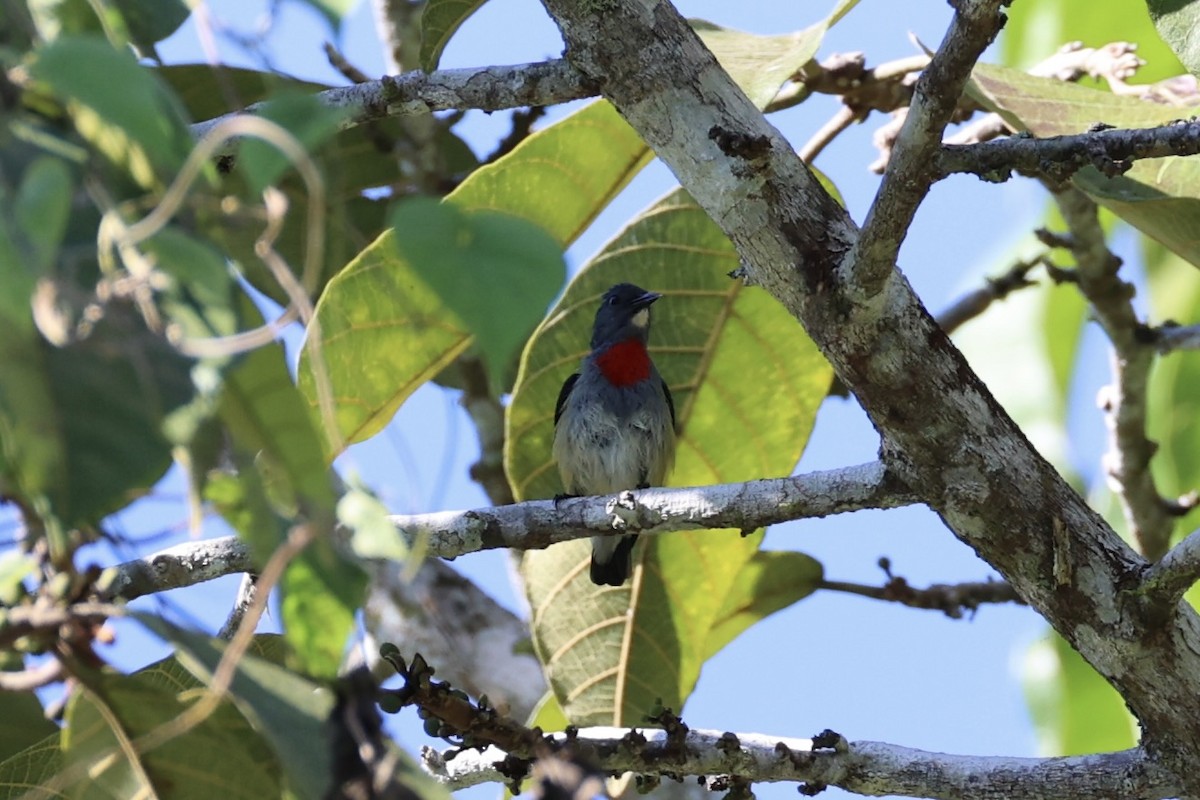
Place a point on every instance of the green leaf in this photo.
(742, 371)
(439, 20)
(495, 272)
(1173, 416)
(761, 64)
(1177, 22)
(372, 535)
(41, 210)
(268, 421)
(25, 723)
(1075, 711)
(769, 582)
(23, 774)
(123, 109)
(305, 117)
(287, 710)
(1035, 31)
(15, 567)
(382, 333)
(221, 756)
(561, 177)
(1160, 197)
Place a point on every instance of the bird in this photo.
(614, 422)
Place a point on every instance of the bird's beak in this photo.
(646, 300)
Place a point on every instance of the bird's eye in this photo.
(612, 300)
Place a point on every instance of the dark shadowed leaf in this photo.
(23, 773)
(495, 272)
(124, 111)
(25, 723)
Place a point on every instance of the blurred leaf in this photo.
(208, 90)
(123, 110)
(15, 567)
(112, 392)
(334, 11)
(268, 421)
(1177, 22)
(439, 20)
(372, 535)
(770, 581)
(1035, 31)
(1160, 197)
(762, 64)
(305, 117)
(496, 272)
(222, 756)
(286, 709)
(747, 383)
(1024, 349)
(1173, 415)
(41, 209)
(1074, 710)
(21, 774)
(563, 176)
(383, 333)
(25, 723)
(150, 21)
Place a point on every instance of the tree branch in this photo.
(910, 170)
(540, 523)
(942, 430)
(870, 768)
(1059, 157)
(1127, 461)
(486, 89)
(952, 599)
(1166, 582)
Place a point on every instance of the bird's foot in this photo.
(624, 510)
(558, 498)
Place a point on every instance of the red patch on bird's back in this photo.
(625, 363)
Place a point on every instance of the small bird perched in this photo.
(614, 425)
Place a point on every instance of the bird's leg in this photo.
(624, 508)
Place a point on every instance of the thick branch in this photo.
(540, 523)
(1059, 157)
(910, 170)
(942, 429)
(871, 768)
(487, 89)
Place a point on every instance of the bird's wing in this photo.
(670, 401)
(565, 392)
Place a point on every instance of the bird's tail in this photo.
(612, 559)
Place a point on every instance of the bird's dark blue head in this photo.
(624, 313)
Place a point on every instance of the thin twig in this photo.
(840, 121)
(974, 303)
(1127, 461)
(952, 599)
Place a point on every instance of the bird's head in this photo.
(624, 314)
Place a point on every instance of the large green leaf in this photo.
(25, 723)
(1177, 22)
(23, 774)
(747, 383)
(770, 581)
(1160, 197)
(1075, 711)
(123, 109)
(221, 756)
(1034, 31)
(383, 333)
